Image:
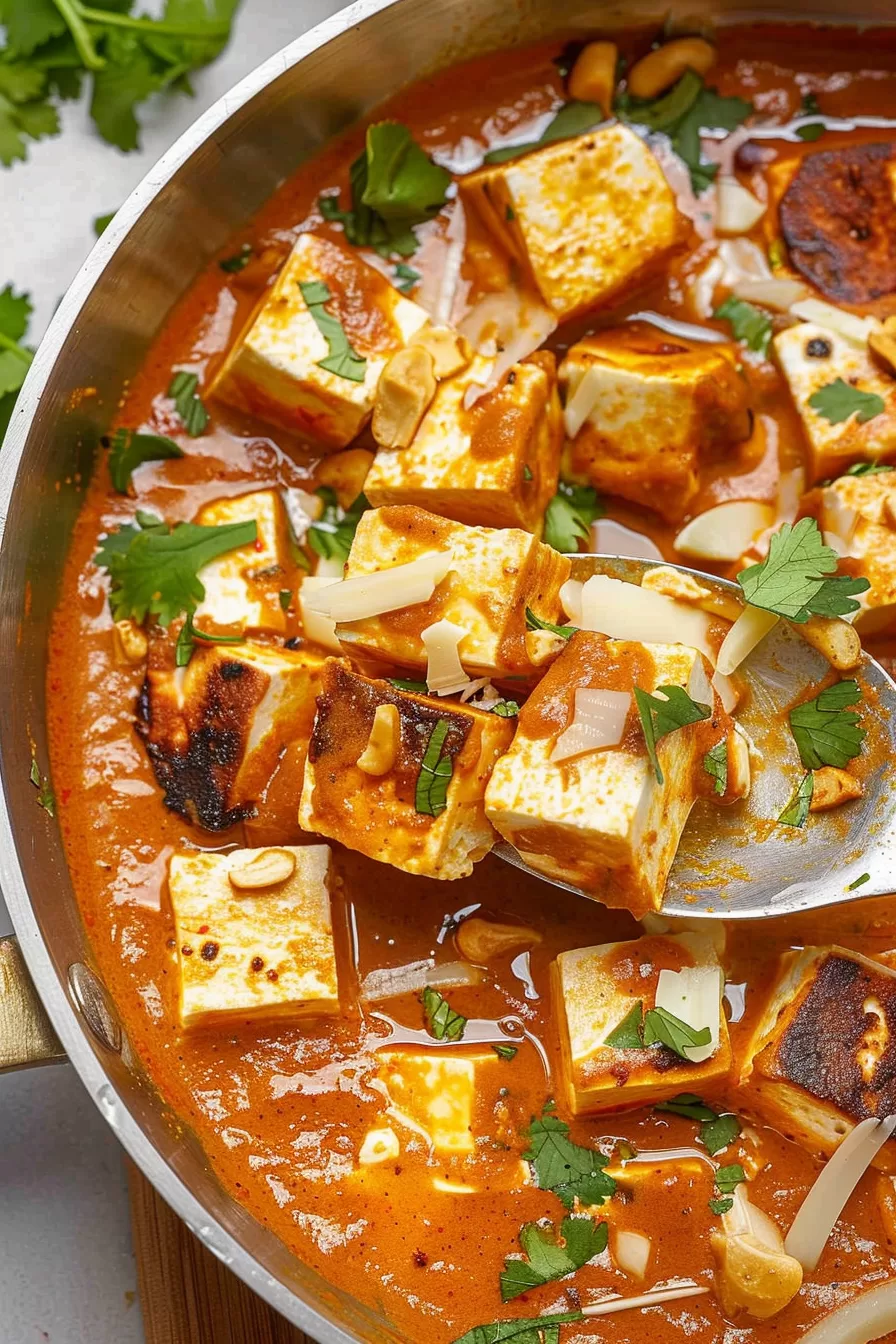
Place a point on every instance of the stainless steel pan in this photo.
(206, 187)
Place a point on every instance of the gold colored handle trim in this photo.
(26, 1036)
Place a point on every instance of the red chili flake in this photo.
(421, 1259)
(64, 795)
(203, 928)
(259, 544)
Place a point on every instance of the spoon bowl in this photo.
(738, 862)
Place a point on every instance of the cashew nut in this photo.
(266, 868)
(130, 642)
(406, 387)
(660, 69)
(450, 351)
(593, 77)
(836, 640)
(378, 757)
(831, 787)
(479, 940)
(754, 1273)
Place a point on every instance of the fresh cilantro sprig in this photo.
(442, 1022)
(629, 1033)
(569, 516)
(573, 118)
(716, 1131)
(524, 1330)
(748, 323)
(639, 1030)
(826, 729)
(15, 357)
(567, 1169)
(128, 449)
(669, 708)
(436, 769)
(796, 813)
(534, 622)
(551, 1254)
(715, 763)
(187, 402)
(797, 579)
(331, 535)
(189, 637)
(342, 359)
(839, 401)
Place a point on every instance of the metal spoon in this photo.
(736, 862)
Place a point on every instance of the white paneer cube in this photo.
(274, 370)
(596, 988)
(215, 729)
(493, 463)
(645, 411)
(857, 515)
(243, 586)
(259, 952)
(495, 575)
(819, 1059)
(585, 217)
(601, 820)
(813, 357)
(436, 1094)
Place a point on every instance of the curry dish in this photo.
(322, 645)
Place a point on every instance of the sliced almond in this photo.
(836, 640)
(266, 868)
(479, 940)
(450, 351)
(832, 787)
(406, 387)
(378, 757)
(130, 642)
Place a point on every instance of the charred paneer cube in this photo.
(493, 576)
(284, 367)
(400, 777)
(242, 587)
(598, 989)
(601, 819)
(493, 462)
(645, 410)
(821, 1056)
(254, 933)
(585, 217)
(214, 730)
(857, 515)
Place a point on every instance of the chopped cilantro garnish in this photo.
(718, 1133)
(715, 763)
(189, 637)
(720, 1205)
(405, 277)
(406, 684)
(15, 358)
(45, 795)
(342, 359)
(128, 449)
(566, 1168)
(728, 1178)
(868, 468)
(527, 472)
(809, 108)
(238, 261)
(431, 795)
(573, 118)
(839, 400)
(748, 323)
(442, 1021)
(687, 1105)
(551, 1254)
(859, 882)
(687, 108)
(534, 622)
(825, 729)
(796, 813)
(332, 534)
(796, 579)
(629, 1033)
(505, 709)
(569, 516)
(667, 1029)
(669, 708)
(102, 222)
(524, 1330)
(187, 402)
(506, 1051)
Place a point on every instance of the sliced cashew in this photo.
(883, 344)
(593, 77)
(836, 640)
(831, 787)
(130, 642)
(378, 757)
(479, 940)
(660, 69)
(450, 351)
(685, 588)
(407, 386)
(754, 1273)
(266, 868)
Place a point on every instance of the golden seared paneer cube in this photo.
(645, 410)
(820, 1057)
(254, 933)
(597, 989)
(846, 401)
(585, 217)
(243, 586)
(493, 576)
(493, 463)
(434, 1091)
(318, 383)
(857, 515)
(600, 819)
(214, 730)
(411, 793)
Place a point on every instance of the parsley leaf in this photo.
(187, 402)
(128, 449)
(826, 729)
(189, 637)
(568, 1170)
(524, 1330)
(716, 1134)
(838, 401)
(332, 534)
(442, 1021)
(669, 708)
(795, 578)
(715, 763)
(506, 1051)
(569, 516)
(667, 1029)
(342, 359)
(687, 1105)
(720, 1205)
(431, 794)
(728, 1178)
(573, 118)
(687, 108)
(547, 1258)
(534, 622)
(796, 813)
(156, 571)
(748, 323)
(629, 1033)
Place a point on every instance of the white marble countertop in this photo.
(67, 1273)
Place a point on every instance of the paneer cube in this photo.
(257, 952)
(495, 575)
(242, 587)
(403, 815)
(820, 1057)
(857, 515)
(813, 357)
(435, 1092)
(601, 820)
(493, 463)
(596, 988)
(644, 412)
(214, 730)
(274, 369)
(585, 217)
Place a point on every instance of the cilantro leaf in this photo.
(403, 183)
(573, 118)
(547, 1259)
(796, 813)
(187, 402)
(15, 358)
(667, 1029)
(868, 468)
(728, 1178)
(505, 709)
(30, 23)
(826, 729)
(687, 1105)
(506, 1051)
(46, 798)
(748, 323)
(568, 1170)
(342, 359)
(669, 708)
(838, 401)
(331, 535)
(794, 580)
(237, 262)
(569, 516)
(129, 76)
(629, 1033)
(128, 449)
(436, 769)
(720, 1205)
(189, 637)
(687, 108)
(406, 684)
(534, 622)
(102, 222)
(524, 1330)
(20, 122)
(715, 763)
(442, 1021)
(15, 313)
(716, 1134)
(405, 277)
(809, 108)
(155, 571)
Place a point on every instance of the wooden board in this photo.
(187, 1295)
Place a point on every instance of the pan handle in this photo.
(26, 1036)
